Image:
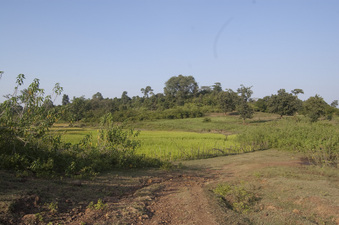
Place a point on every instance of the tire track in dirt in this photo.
(182, 201)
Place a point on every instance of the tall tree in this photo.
(217, 87)
(97, 96)
(245, 93)
(228, 100)
(181, 86)
(297, 91)
(334, 104)
(125, 100)
(244, 109)
(65, 100)
(78, 108)
(146, 91)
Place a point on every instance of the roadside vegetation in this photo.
(318, 141)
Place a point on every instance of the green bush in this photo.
(236, 197)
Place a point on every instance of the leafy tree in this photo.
(146, 91)
(245, 93)
(124, 98)
(334, 104)
(297, 91)
(217, 87)
(244, 109)
(205, 90)
(315, 107)
(97, 96)
(284, 103)
(48, 103)
(181, 87)
(261, 104)
(26, 116)
(1, 73)
(78, 108)
(65, 100)
(228, 100)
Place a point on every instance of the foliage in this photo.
(181, 87)
(236, 197)
(228, 100)
(284, 103)
(297, 91)
(25, 119)
(28, 147)
(182, 95)
(146, 91)
(65, 100)
(98, 206)
(53, 207)
(315, 107)
(207, 120)
(77, 109)
(319, 141)
(243, 107)
(261, 105)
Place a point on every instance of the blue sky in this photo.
(111, 46)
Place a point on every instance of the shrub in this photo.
(206, 120)
(236, 197)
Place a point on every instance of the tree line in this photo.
(183, 98)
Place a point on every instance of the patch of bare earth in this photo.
(184, 196)
(182, 201)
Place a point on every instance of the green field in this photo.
(168, 145)
(194, 138)
(173, 145)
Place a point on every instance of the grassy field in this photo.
(168, 145)
(219, 123)
(217, 134)
(190, 138)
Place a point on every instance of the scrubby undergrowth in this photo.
(318, 141)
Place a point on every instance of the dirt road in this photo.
(286, 191)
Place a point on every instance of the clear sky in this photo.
(111, 46)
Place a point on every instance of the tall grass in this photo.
(318, 141)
